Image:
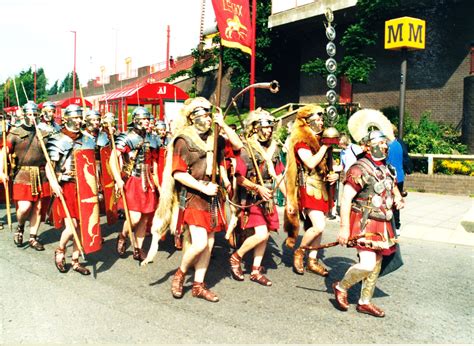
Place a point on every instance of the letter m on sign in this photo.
(405, 32)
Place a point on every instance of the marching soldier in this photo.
(370, 190)
(259, 171)
(138, 149)
(61, 148)
(307, 174)
(29, 179)
(47, 122)
(190, 193)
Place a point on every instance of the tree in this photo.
(54, 88)
(25, 83)
(355, 64)
(66, 84)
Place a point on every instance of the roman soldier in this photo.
(138, 149)
(307, 178)
(61, 148)
(29, 178)
(190, 197)
(47, 122)
(259, 172)
(370, 191)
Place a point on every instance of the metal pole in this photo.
(74, 72)
(168, 48)
(34, 95)
(252, 57)
(403, 77)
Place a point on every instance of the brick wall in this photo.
(438, 183)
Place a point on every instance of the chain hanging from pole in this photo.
(331, 67)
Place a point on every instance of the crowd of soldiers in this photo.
(182, 183)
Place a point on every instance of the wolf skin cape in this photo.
(301, 133)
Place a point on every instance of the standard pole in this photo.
(403, 78)
(252, 57)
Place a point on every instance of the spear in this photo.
(5, 167)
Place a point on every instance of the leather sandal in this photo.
(60, 259)
(341, 298)
(200, 291)
(35, 244)
(259, 277)
(77, 267)
(370, 309)
(315, 267)
(18, 237)
(298, 261)
(235, 266)
(177, 284)
(121, 244)
(139, 254)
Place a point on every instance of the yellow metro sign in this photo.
(405, 32)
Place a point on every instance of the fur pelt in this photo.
(300, 133)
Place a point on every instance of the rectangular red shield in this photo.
(233, 21)
(108, 185)
(88, 200)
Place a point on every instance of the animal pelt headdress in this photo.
(301, 132)
(166, 216)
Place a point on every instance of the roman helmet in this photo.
(256, 121)
(108, 119)
(373, 130)
(92, 120)
(197, 111)
(30, 112)
(48, 111)
(71, 114)
(141, 118)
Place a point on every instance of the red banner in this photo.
(233, 21)
(108, 185)
(86, 183)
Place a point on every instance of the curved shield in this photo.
(108, 185)
(88, 200)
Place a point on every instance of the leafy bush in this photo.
(430, 137)
(450, 167)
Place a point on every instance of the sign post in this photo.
(403, 34)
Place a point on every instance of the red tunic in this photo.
(139, 199)
(189, 159)
(307, 201)
(256, 215)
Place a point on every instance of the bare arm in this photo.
(114, 159)
(311, 160)
(265, 193)
(53, 180)
(189, 181)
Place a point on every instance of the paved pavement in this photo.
(428, 300)
(436, 217)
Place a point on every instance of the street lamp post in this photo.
(74, 72)
(34, 93)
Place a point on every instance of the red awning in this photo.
(144, 92)
(72, 100)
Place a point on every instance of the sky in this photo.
(38, 33)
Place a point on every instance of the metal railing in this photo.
(432, 157)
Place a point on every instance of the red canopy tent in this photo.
(140, 94)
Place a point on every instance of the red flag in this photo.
(233, 21)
